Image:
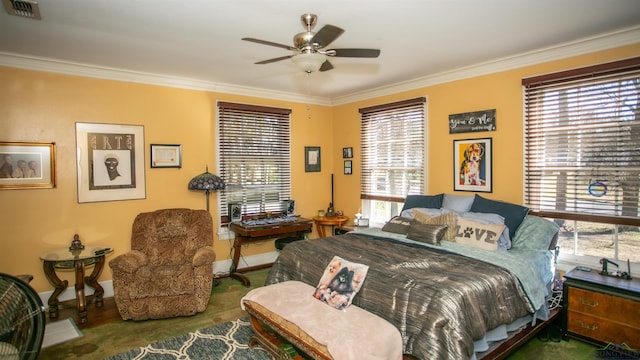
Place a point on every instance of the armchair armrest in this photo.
(129, 262)
(204, 256)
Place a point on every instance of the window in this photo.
(582, 158)
(255, 157)
(393, 166)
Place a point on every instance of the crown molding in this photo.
(606, 41)
(106, 73)
(600, 42)
(271, 94)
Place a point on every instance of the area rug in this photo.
(59, 332)
(226, 341)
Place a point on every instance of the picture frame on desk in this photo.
(27, 165)
(234, 211)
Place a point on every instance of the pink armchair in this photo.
(168, 271)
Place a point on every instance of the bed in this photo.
(448, 299)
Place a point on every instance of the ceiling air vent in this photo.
(22, 8)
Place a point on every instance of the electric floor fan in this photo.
(22, 319)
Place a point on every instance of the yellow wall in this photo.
(43, 107)
(501, 91)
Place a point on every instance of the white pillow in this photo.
(459, 203)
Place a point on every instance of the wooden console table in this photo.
(253, 233)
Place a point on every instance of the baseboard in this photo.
(222, 267)
(219, 267)
(70, 292)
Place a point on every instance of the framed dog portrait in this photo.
(472, 165)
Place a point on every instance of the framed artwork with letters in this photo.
(110, 162)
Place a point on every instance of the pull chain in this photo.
(308, 96)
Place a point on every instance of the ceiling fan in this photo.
(308, 48)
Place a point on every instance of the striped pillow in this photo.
(426, 233)
(448, 219)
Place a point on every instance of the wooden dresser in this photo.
(601, 309)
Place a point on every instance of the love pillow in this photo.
(478, 235)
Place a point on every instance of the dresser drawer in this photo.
(602, 329)
(614, 308)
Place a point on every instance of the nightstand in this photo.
(344, 229)
(601, 309)
(347, 229)
(322, 221)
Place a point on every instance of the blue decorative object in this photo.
(206, 182)
(598, 188)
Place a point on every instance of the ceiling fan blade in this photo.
(358, 53)
(264, 42)
(274, 60)
(326, 66)
(326, 35)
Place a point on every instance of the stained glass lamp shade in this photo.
(206, 182)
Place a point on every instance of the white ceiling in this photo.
(200, 40)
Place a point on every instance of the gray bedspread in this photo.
(441, 302)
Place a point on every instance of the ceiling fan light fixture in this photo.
(309, 62)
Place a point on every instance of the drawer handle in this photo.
(590, 327)
(591, 304)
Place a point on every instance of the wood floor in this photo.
(105, 315)
(109, 313)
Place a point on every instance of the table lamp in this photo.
(206, 182)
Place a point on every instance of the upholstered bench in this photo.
(322, 332)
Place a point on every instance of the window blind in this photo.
(255, 157)
(582, 142)
(392, 141)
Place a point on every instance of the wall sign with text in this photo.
(476, 121)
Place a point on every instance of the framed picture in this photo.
(472, 165)
(166, 156)
(27, 165)
(110, 162)
(311, 158)
(347, 153)
(347, 167)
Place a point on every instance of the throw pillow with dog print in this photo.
(340, 282)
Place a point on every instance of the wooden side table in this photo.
(77, 260)
(322, 221)
(601, 309)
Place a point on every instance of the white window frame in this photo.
(380, 205)
(262, 194)
(540, 118)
